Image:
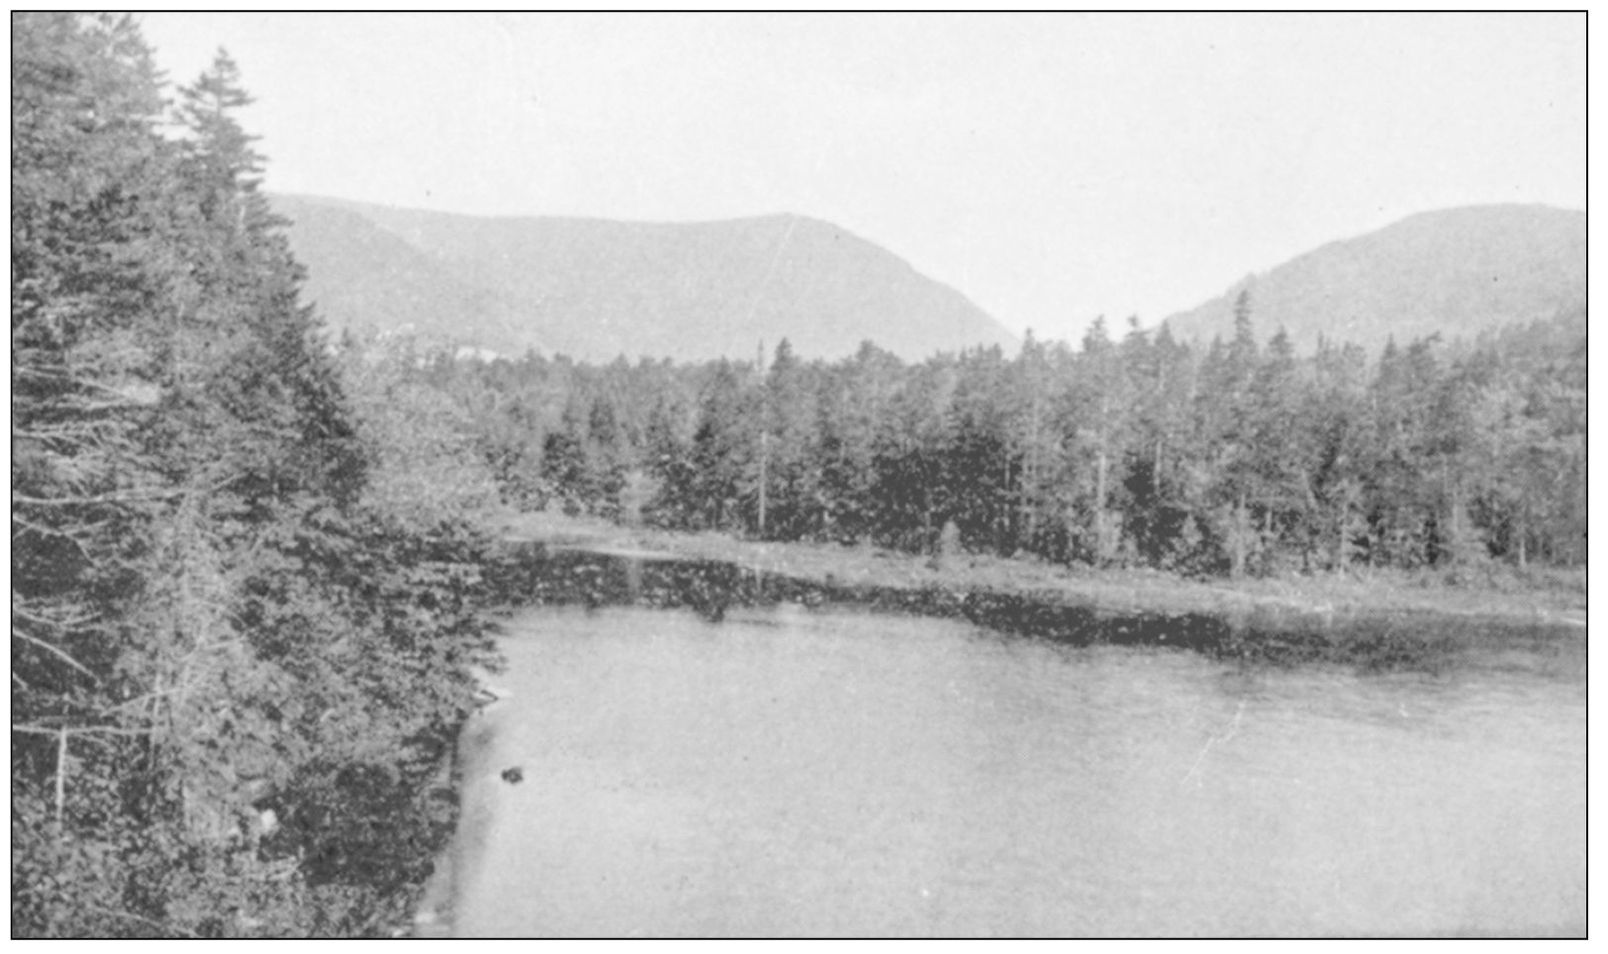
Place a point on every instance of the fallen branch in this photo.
(78, 730)
(53, 623)
(18, 522)
(57, 651)
(94, 499)
(167, 929)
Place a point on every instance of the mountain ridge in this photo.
(1455, 271)
(597, 288)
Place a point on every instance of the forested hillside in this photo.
(366, 279)
(240, 638)
(1243, 458)
(595, 289)
(1452, 272)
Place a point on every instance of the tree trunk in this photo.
(764, 448)
(1100, 481)
(1002, 514)
(1236, 550)
(1340, 540)
(1265, 544)
(926, 516)
(1155, 474)
(1030, 473)
(1102, 542)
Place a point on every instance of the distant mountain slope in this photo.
(1457, 272)
(596, 289)
(364, 278)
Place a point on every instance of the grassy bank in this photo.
(1546, 596)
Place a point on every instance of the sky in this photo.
(1051, 167)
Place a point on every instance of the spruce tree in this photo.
(206, 619)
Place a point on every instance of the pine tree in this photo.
(246, 347)
(935, 457)
(1040, 450)
(1161, 375)
(204, 616)
(723, 450)
(84, 103)
(1097, 415)
(791, 448)
(667, 453)
(1401, 495)
(1279, 456)
(1336, 417)
(853, 401)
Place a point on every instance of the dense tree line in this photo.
(237, 654)
(1238, 458)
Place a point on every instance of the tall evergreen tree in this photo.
(791, 448)
(1097, 416)
(723, 451)
(854, 400)
(205, 619)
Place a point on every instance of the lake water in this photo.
(794, 772)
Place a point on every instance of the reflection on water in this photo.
(1271, 634)
(794, 772)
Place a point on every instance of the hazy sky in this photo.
(1051, 167)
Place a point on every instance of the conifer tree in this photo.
(792, 447)
(206, 620)
(723, 451)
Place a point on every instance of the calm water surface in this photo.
(802, 773)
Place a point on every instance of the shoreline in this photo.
(1326, 620)
(1323, 597)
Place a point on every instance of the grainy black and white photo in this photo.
(770, 476)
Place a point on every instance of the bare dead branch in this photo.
(61, 779)
(29, 525)
(85, 730)
(57, 651)
(166, 929)
(17, 498)
(43, 620)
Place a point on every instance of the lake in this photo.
(840, 772)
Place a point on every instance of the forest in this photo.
(239, 652)
(248, 555)
(1241, 458)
